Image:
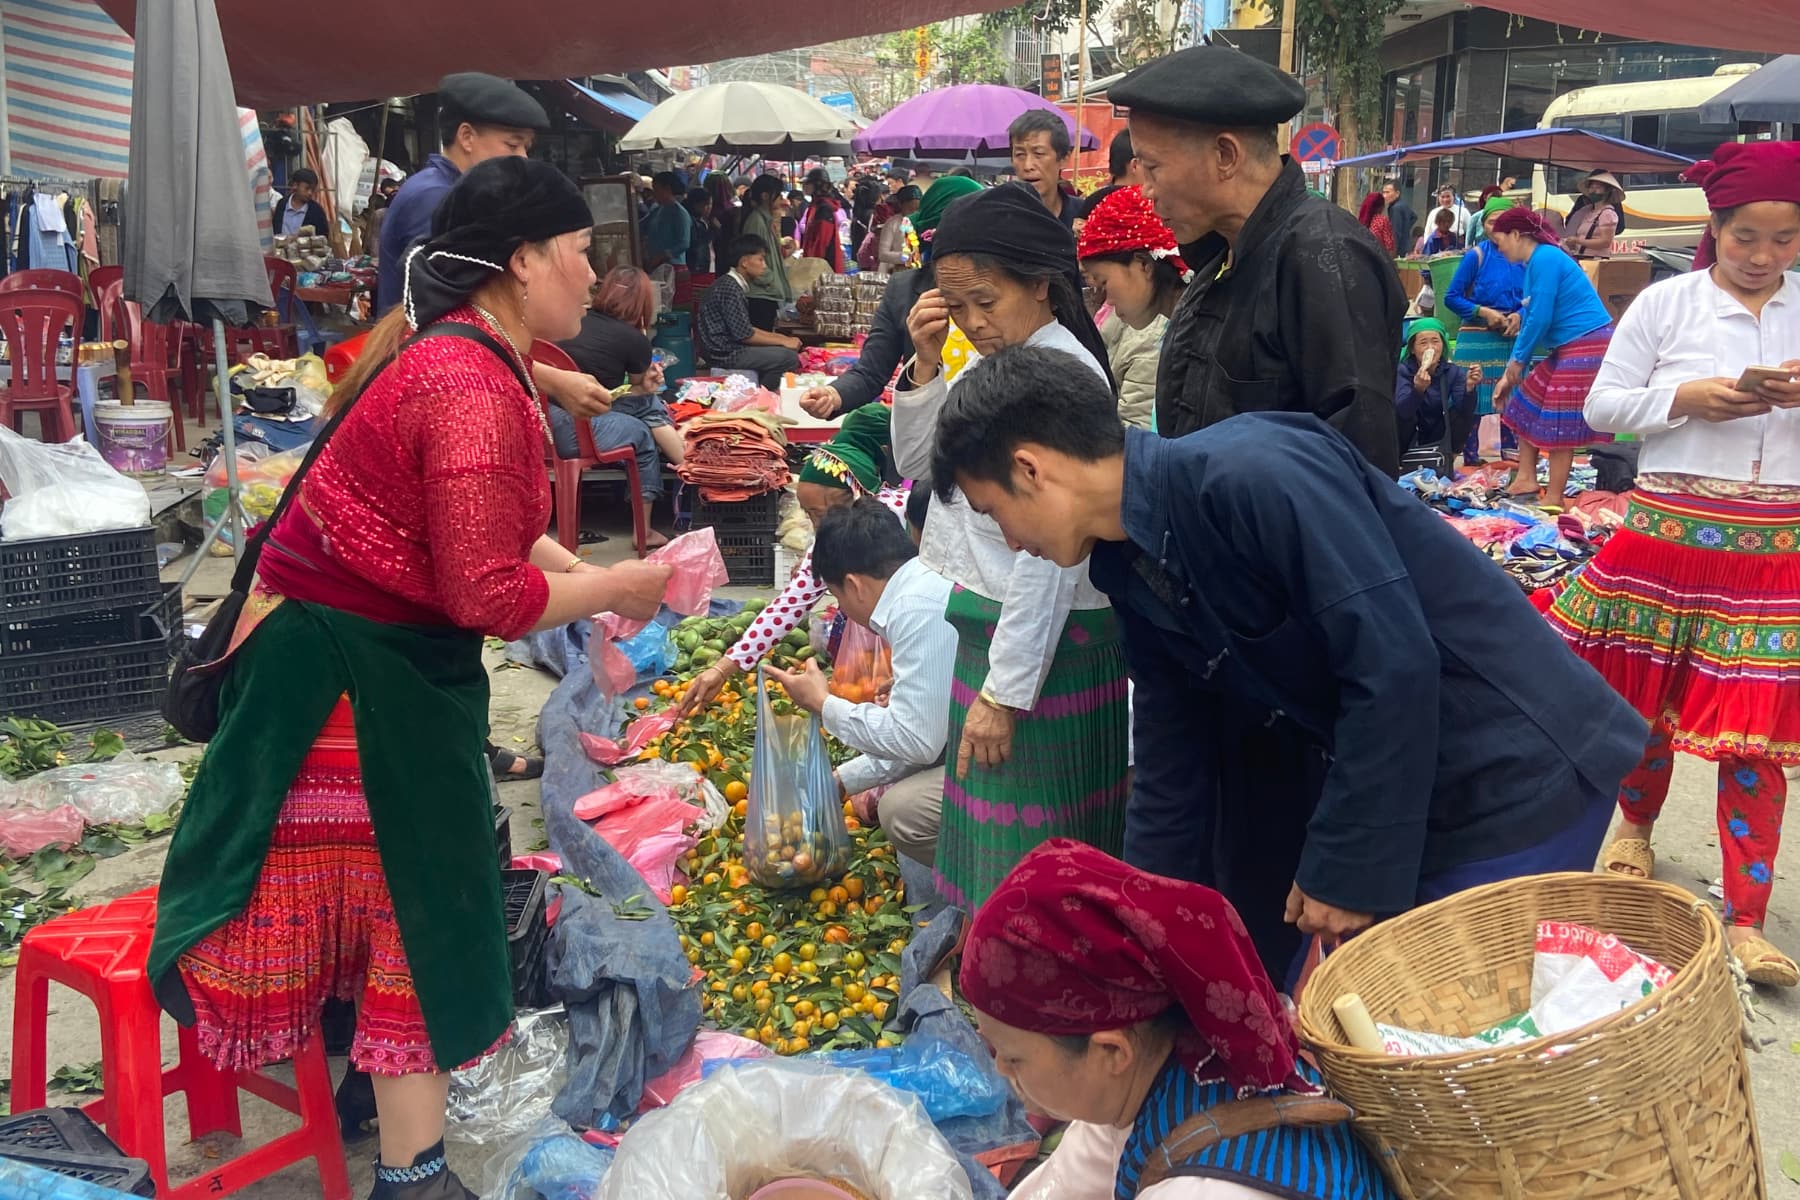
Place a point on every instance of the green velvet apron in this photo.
(419, 696)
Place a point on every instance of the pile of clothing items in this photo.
(735, 455)
(1539, 549)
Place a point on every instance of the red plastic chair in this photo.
(101, 952)
(568, 471)
(33, 322)
(284, 283)
(107, 287)
(43, 279)
(154, 360)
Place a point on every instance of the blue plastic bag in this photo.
(947, 1082)
(651, 650)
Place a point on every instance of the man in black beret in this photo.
(479, 117)
(1294, 307)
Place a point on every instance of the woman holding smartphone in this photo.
(1692, 611)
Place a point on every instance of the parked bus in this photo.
(1660, 210)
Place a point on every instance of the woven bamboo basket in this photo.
(1650, 1103)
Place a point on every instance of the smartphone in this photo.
(1755, 377)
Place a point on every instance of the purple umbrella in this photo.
(970, 118)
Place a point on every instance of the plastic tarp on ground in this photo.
(638, 1018)
(624, 982)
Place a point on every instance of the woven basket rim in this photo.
(1314, 1013)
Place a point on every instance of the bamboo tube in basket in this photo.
(1359, 1028)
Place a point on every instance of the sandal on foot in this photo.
(1631, 857)
(1764, 964)
(507, 768)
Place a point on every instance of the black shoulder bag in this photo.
(191, 703)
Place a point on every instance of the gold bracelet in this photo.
(573, 563)
(987, 698)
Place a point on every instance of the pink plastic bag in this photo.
(613, 672)
(606, 752)
(27, 830)
(697, 568)
(649, 832)
(709, 1045)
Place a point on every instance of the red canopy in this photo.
(354, 49)
(1766, 26)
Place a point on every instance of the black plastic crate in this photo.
(503, 834)
(88, 572)
(55, 1131)
(757, 513)
(128, 1175)
(749, 557)
(96, 683)
(527, 934)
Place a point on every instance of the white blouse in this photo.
(1084, 1165)
(1689, 328)
(968, 548)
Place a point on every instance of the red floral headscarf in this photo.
(1075, 942)
(1744, 173)
(1124, 223)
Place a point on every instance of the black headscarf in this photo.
(496, 207)
(1011, 225)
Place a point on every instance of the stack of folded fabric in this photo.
(734, 456)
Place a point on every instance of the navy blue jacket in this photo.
(1271, 566)
(408, 220)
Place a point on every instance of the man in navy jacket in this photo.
(1342, 709)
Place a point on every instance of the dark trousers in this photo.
(763, 313)
(768, 362)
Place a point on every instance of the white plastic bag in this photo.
(58, 490)
(508, 1093)
(759, 1122)
(123, 791)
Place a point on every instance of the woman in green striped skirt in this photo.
(1037, 745)
(1074, 736)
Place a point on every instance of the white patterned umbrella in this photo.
(749, 118)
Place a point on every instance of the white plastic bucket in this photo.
(134, 438)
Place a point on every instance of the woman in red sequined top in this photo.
(338, 840)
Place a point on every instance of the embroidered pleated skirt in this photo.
(1066, 776)
(1545, 409)
(320, 924)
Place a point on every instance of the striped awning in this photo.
(68, 88)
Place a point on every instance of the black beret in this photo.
(489, 100)
(1211, 85)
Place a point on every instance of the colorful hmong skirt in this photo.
(1066, 776)
(1545, 409)
(319, 924)
(1479, 346)
(1692, 612)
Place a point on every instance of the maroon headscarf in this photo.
(1373, 205)
(1075, 942)
(1523, 220)
(1744, 173)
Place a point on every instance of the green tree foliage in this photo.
(1345, 37)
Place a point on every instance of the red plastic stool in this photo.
(101, 953)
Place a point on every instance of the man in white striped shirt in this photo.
(864, 556)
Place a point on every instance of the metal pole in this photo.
(1080, 89)
(231, 517)
(1288, 9)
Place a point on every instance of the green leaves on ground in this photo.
(1789, 1163)
(80, 1079)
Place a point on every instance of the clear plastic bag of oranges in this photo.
(863, 668)
(794, 834)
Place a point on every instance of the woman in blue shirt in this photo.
(1485, 294)
(1562, 311)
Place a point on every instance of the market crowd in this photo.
(1184, 684)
